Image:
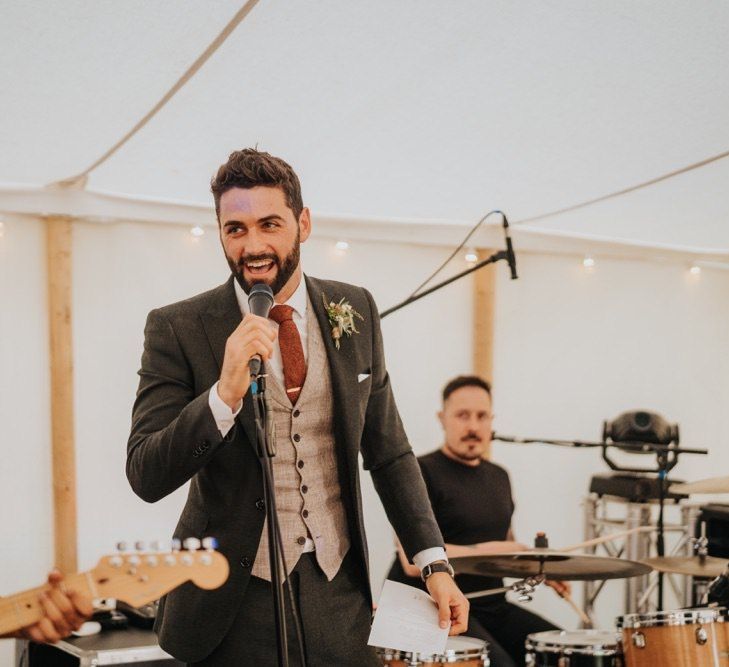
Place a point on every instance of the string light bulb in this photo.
(342, 245)
(471, 256)
(588, 262)
(695, 270)
(197, 231)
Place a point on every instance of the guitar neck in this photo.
(26, 608)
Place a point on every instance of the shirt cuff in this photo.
(223, 415)
(428, 556)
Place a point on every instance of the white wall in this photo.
(25, 474)
(572, 349)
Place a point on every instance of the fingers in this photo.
(67, 608)
(444, 610)
(253, 336)
(59, 626)
(82, 604)
(459, 617)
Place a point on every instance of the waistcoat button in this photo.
(297, 437)
(245, 562)
(301, 540)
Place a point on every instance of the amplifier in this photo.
(717, 528)
(131, 646)
(634, 487)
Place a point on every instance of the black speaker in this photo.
(717, 529)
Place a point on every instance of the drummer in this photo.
(471, 498)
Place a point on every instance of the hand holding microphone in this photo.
(251, 343)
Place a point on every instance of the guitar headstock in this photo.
(142, 576)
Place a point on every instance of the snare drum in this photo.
(690, 637)
(463, 651)
(574, 648)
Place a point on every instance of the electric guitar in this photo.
(136, 578)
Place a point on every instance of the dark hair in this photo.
(249, 168)
(465, 381)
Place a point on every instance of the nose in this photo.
(255, 243)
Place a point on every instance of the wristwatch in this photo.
(437, 566)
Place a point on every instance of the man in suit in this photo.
(331, 400)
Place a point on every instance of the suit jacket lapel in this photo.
(219, 321)
(342, 366)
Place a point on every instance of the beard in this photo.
(285, 267)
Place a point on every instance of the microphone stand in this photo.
(666, 460)
(507, 255)
(266, 451)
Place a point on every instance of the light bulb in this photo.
(471, 256)
(197, 231)
(695, 270)
(342, 245)
(588, 262)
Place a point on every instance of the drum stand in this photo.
(524, 587)
(607, 514)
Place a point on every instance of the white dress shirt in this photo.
(225, 417)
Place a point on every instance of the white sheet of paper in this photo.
(407, 620)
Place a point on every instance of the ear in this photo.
(304, 224)
(441, 418)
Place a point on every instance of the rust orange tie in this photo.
(292, 352)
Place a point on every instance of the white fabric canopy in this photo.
(405, 111)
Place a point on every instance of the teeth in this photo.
(259, 263)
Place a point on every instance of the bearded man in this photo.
(331, 401)
(473, 505)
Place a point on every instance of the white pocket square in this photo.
(362, 377)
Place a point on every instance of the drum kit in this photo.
(694, 637)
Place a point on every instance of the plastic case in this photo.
(131, 646)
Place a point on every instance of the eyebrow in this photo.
(266, 218)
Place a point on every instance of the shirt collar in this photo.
(298, 300)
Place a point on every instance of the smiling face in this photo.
(466, 420)
(261, 237)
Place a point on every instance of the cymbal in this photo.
(710, 485)
(691, 565)
(553, 564)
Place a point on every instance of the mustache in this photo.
(471, 437)
(252, 258)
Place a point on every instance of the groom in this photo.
(331, 401)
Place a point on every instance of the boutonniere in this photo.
(341, 318)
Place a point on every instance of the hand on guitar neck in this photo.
(64, 610)
(52, 611)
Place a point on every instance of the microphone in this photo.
(511, 258)
(260, 301)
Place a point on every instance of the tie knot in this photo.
(281, 314)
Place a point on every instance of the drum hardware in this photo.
(554, 565)
(637, 432)
(692, 566)
(709, 485)
(460, 650)
(690, 637)
(574, 648)
(524, 587)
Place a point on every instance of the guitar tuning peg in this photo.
(210, 543)
(156, 545)
(191, 543)
(122, 547)
(139, 545)
(176, 544)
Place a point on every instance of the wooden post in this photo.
(484, 296)
(58, 268)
